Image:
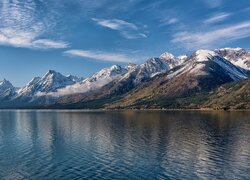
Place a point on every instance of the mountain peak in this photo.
(167, 56)
(131, 66)
(52, 72)
(238, 56)
(52, 75)
(154, 66)
(115, 67)
(171, 60)
(34, 80)
(5, 82)
(5, 85)
(204, 55)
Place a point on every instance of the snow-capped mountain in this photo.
(143, 72)
(136, 75)
(183, 58)
(171, 60)
(5, 85)
(7, 90)
(204, 69)
(238, 56)
(96, 81)
(131, 66)
(153, 67)
(198, 64)
(50, 82)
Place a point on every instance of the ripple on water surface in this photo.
(124, 145)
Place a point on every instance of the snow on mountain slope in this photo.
(204, 55)
(237, 56)
(5, 85)
(171, 60)
(138, 73)
(94, 82)
(234, 72)
(145, 71)
(167, 55)
(7, 90)
(153, 67)
(198, 62)
(50, 82)
(183, 58)
(131, 66)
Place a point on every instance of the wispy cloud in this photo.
(213, 3)
(169, 21)
(127, 30)
(99, 55)
(25, 39)
(20, 26)
(212, 38)
(217, 18)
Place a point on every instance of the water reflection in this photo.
(124, 145)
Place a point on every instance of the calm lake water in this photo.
(124, 145)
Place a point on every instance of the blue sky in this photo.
(80, 37)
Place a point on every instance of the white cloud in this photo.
(49, 44)
(25, 39)
(170, 21)
(21, 26)
(99, 55)
(212, 38)
(213, 3)
(127, 30)
(217, 18)
(115, 24)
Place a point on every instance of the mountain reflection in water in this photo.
(124, 145)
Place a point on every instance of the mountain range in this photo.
(207, 79)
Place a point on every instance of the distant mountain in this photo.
(203, 71)
(152, 67)
(135, 75)
(237, 56)
(95, 82)
(7, 90)
(38, 91)
(5, 85)
(166, 82)
(171, 60)
(50, 82)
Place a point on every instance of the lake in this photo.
(124, 145)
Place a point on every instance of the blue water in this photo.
(124, 145)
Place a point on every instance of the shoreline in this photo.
(122, 110)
